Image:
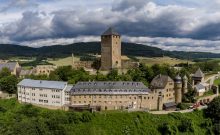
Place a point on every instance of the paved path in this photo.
(211, 79)
(181, 111)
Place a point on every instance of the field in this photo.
(63, 61)
(146, 60)
(161, 60)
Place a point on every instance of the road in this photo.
(211, 79)
(181, 111)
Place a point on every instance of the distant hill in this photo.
(130, 49)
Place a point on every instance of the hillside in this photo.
(130, 49)
(17, 119)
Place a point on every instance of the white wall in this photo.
(42, 96)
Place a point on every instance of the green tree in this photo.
(96, 64)
(5, 72)
(213, 110)
(113, 75)
(9, 84)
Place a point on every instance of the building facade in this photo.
(110, 50)
(43, 69)
(111, 95)
(50, 94)
(164, 93)
(162, 87)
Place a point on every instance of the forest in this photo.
(84, 48)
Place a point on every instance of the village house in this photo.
(14, 67)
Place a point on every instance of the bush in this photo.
(186, 125)
(183, 106)
(168, 129)
(213, 110)
(2, 109)
(86, 117)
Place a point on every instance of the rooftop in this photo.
(170, 104)
(110, 85)
(43, 84)
(110, 31)
(199, 73)
(160, 81)
(10, 65)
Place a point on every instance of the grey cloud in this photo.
(30, 27)
(135, 18)
(125, 4)
(19, 4)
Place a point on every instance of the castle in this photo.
(110, 50)
(163, 93)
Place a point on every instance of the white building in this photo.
(201, 88)
(50, 94)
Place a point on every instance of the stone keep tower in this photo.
(178, 89)
(110, 50)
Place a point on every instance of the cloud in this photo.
(169, 25)
(59, 41)
(180, 44)
(18, 4)
(33, 25)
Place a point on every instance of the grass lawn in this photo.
(208, 93)
(217, 81)
(63, 62)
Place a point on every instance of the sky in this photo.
(183, 25)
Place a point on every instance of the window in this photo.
(45, 101)
(40, 100)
